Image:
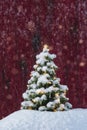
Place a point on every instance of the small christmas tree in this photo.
(44, 92)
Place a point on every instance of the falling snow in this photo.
(25, 26)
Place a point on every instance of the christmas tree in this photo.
(44, 91)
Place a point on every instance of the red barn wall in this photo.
(25, 26)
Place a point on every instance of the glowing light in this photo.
(40, 92)
(65, 93)
(44, 73)
(82, 64)
(30, 108)
(80, 41)
(45, 46)
(6, 87)
(60, 26)
(65, 47)
(9, 96)
(54, 110)
(34, 100)
(54, 77)
(49, 82)
(56, 95)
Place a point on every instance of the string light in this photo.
(57, 100)
(30, 108)
(56, 95)
(65, 93)
(40, 92)
(62, 107)
(34, 100)
(44, 73)
(30, 75)
(49, 82)
(54, 77)
(54, 110)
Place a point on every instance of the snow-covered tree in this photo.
(44, 91)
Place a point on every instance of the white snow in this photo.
(40, 90)
(56, 81)
(50, 105)
(43, 97)
(45, 49)
(41, 61)
(42, 57)
(45, 54)
(44, 68)
(75, 119)
(27, 103)
(35, 74)
(69, 105)
(63, 87)
(37, 99)
(57, 100)
(39, 69)
(33, 86)
(42, 108)
(51, 88)
(35, 66)
(43, 79)
(25, 95)
(52, 56)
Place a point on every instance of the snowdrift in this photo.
(75, 119)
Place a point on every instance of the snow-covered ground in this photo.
(75, 119)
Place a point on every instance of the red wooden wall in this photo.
(25, 25)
